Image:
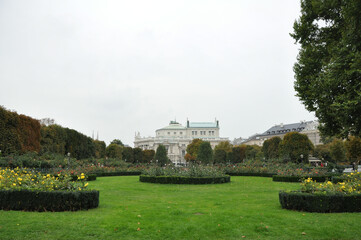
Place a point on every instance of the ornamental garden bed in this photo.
(251, 174)
(122, 173)
(184, 179)
(299, 178)
(325, 197)
(28, 190)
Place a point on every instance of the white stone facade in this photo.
(176, 138)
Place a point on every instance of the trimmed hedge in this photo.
(41, 201)
(281, 178)
(90, 177)
(184, 180)
(106, 174)
(251, 174)
(323, 203)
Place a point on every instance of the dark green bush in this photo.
(129, 173)
(254, 174)
(323, 203)
(90, 177)
(184, 180)
(55, 201)
(284, 178)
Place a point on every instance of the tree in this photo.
(253, 152)
(205, 153)
(138, 155)
(127, 154)
(148, 155)
(328, 66)
(192, 149)
(296, 147)
(353, 146)
(118, 142)
(220, 156)
(238, 154)
(225, 145)
(337, 151)
(270, 148)
(114, 151)
(323, 152)
(99, 148)
(161, 155)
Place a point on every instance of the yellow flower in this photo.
(86, 185)
(20, 179)
(14, 184)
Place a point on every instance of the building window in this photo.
(195, 132)
(168, 133)
(175, 133)
(181, 133)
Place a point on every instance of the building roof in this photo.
(285, 128)
(173, 125)
(203, 125)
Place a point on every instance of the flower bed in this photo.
(253, 174)
(25, 189)
(194, 174)
(282, 178)
(325, 197)
(184, 180)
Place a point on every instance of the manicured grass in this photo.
(248, 206)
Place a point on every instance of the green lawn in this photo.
(248, 206)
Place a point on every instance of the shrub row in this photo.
(90, 177)
(184, 180)
(130, 173)
(284, 178)
(55, 201)
(323, 203)
(255, 174)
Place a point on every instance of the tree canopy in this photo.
(205, 153)
(161, 155)
(296, 147)
(328, 68)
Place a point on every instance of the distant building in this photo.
(310, 128)
(176, 137)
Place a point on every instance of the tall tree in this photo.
(137, 155)
(296, 147)
(338, 151)
(148, 155)
(192, 149)
(118, 142)
(99, 148)
(128, 155)
(328, 68)
(114, 151)
(270, 147)
(205, 153)
(353, 146)
(161, 155)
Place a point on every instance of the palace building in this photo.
(175, 137)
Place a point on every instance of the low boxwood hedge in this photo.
(106, 174)
(184, 180)
(90, 177)
(323, 203)
(283, 178)
(55, 201)
(251, 174)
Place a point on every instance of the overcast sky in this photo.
(117, 67)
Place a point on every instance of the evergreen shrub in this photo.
(184, 180)
(323, 203)
(55, 201)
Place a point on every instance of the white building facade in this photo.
(176, 137)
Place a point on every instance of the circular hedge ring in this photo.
(323, 203)
(184, 180)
